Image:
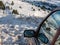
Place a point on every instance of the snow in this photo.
(13, 25)
(40, 14)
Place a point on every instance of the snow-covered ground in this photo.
(13, 25)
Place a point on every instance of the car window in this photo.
(51, 25)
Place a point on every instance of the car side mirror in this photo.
(29, 33)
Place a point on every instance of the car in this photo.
(48, 31)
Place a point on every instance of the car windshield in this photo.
(51, 25)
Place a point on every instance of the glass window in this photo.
(51, 25)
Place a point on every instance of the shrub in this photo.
(43, 7)
(33, 9)
(48, 11)
(12, 3)
(2, 6)
(20, 7)
(15, 12)
(39, 9)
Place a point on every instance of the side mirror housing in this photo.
(29, 33)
